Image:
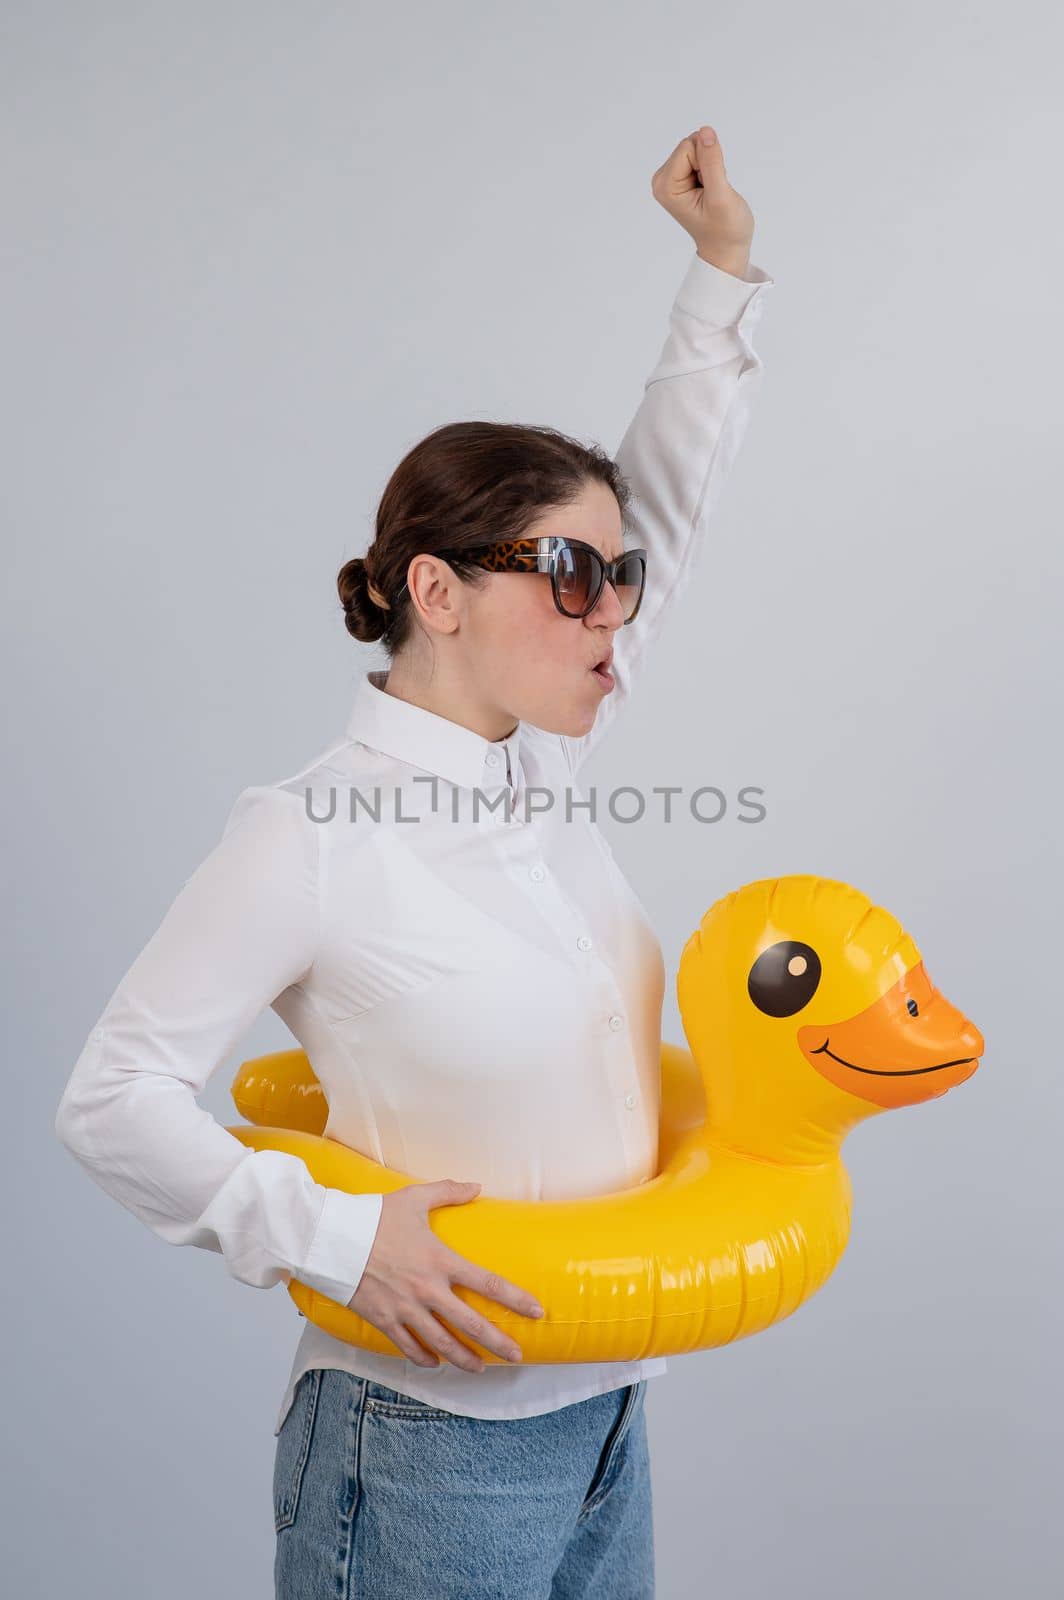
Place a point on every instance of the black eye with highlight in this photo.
(784, 978)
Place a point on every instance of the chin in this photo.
(579, 723)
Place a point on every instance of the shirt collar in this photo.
(429, 741)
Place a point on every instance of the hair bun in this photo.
(364, 616)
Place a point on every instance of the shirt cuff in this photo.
(719, 297)
(340, 1248)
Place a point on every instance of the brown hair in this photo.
(466, 483)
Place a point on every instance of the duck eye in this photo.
(784, 978)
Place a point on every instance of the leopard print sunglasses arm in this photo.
(543, 552)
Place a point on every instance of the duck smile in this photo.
(912, 1029)
(895, 1072)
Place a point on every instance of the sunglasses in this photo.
(578, 572)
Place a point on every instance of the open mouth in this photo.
(602, 672)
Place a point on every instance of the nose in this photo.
(607, 610)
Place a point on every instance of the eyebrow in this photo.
(625, 543)
(622, 551)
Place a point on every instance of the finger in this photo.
(445, 1192)
(492, 1287)
(679, 172)
(411, 1346)
(692, 165)
(709, 158)
(478, 1328)
(431, 1331)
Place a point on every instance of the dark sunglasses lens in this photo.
(630, 584)
(575, 578)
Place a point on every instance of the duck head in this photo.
(808, 1008)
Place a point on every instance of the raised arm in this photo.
(242, 929)
(695, 408)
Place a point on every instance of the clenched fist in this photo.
(693, 187)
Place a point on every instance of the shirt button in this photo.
(536, 874)
(492, 758)
(583, 943)
(629, 1101)
(616, 1022)
(98, 1034)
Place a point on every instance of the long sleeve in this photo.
(242, 929)
(677, 450)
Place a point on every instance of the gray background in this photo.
(254, 253)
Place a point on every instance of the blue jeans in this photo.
(383, 1497)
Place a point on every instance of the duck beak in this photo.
(910, 1045)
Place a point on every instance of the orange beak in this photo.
(910, 1045)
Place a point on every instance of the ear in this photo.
(436, 593)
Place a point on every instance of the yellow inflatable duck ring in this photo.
(807, 1008)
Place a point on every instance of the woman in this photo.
(430, 908)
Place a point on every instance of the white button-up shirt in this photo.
(475, 983)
